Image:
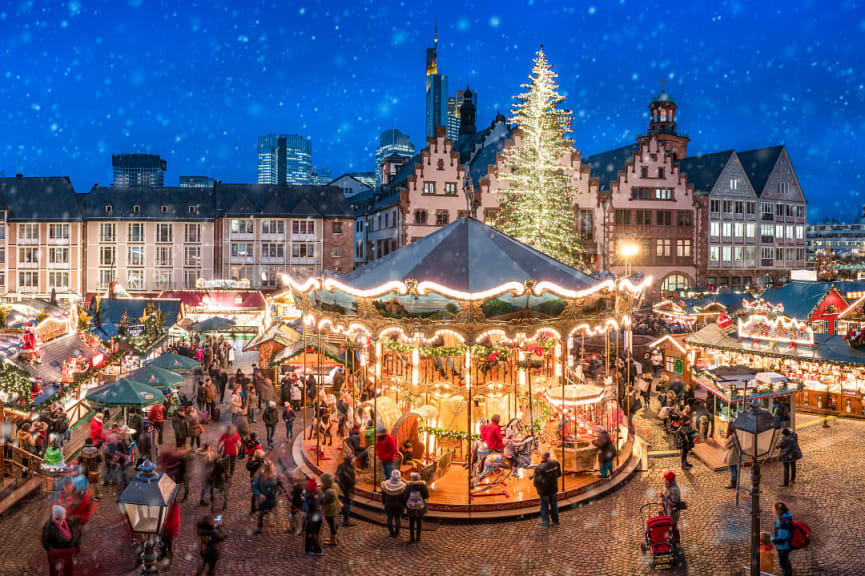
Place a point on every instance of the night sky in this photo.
(197, 82)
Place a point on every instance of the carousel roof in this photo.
(469, 256)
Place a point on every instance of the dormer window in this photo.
(136, 209)
(163, 209)
(190, 209)
(109, 208)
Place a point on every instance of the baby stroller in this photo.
(659, 537)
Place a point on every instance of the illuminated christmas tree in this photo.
(537, 197)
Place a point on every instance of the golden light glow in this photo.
(629, 249)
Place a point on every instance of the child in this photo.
(767, 553)
(407, 453)
(251, 445)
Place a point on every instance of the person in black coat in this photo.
(61, 538)
(416, 495)
(789, 453)
(210, 541)
(357, 449)
(345, 479)
(547, 485)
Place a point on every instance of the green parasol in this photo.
(125, 392)
(175, 362)
(156, 377)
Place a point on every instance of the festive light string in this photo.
(426, 286)
(597, 330)
(787, 323)
(658, 342)
(857, 305)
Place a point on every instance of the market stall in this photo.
(461, 326)
(247, 309)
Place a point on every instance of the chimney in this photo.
(19, 175)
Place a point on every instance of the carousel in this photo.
(467, 347)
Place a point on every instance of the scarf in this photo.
(65, 531)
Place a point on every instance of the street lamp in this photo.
(628, 251)
(755, 436)
(145, 503)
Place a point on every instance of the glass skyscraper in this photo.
(284, 159)
(454, 104)
(138, 170)
(436, 91)
(391, 142)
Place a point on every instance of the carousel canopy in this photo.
(469, 256)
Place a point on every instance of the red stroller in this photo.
(659, 538)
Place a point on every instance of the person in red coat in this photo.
(495, 441)
(78, 505)
(97, 430)
(170, 531)
(157, 418)
(385, 451)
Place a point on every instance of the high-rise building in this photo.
(138, 170)
(321, 176)
(455, 103)
(391, 142)
(284, 159)
(195, 182)
(436, 91)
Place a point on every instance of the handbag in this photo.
(680, 505)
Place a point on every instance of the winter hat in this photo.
(271, 403)
(395, 481)
(58, 512)
(415, 476)
(348, 458)
(258, 454)
(286, 404)
(670, 476)
(311, 484)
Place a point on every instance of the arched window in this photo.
(663, 115)
(675, 282)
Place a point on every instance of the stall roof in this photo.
(227, 299)
(470, 256)
(827, 347)
(800, 298)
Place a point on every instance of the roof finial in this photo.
(662, 83)
(436, 31)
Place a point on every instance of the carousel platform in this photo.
(449, 494)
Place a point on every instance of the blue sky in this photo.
(198, 81)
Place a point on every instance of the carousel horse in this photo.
(485, 461)
(496, 461)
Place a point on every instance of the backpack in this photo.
(679, 440)
(415, 501)
(801, 535)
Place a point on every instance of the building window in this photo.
(58, 255)
(739, 207)
(683, 248)
(107, 232)
(738, 230)
(663, 247)
(2, 256)
(749, 257)
(387, 219)
(750, 230)
(192, 256)
(192, 233)
(779, 209)
(663, 194)
(714, 254)
(242, 227)
(106, 276)
(441, 217)
(336, 227)
(429, 188)
(789, 229)
(241, 249)
(28, 256)
(714, 206)
(750, 207)
(643, 218)
(420, 217)
(738, 254)
(800, 232)
(661, 173)
(644, 172)
(272, 250)
(164, 255)
(663, 218)
(304, 250)
(727, 206)
(58, 231)
(779, 231)
(190, 278)
(440, 164)
(109, 208)
(276, 227)
(726, 253)
(800, 211)
(135, 232)
(28, 279)
(587, 224)
(779, 254)
(784, 187)
(300, 227)
(734, 183)
(163, 209)
(674, 283)
(450, 189)
(623, 217)
(683, 218)
(136, 209)
(28, 232)
(135, 256)
(767, 253)
(336, 251)
(641, 193)
(58, 279)
(164, 233)
(190, 209)
(162, 278)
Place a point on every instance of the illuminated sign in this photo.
(855, 295)
(223, 284)
(97, 360)
(781, 329)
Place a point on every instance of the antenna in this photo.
(436, 31)
(20, 147)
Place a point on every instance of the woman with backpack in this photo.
(783, 536)
(330, 506)
(416, 495)
(789, 453)
(264, 490)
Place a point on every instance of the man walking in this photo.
(547, 484)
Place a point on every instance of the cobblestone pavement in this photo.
(601, 538)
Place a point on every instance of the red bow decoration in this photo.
(493, 357)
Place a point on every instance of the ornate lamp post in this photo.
(755, 437)
(145, 503)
